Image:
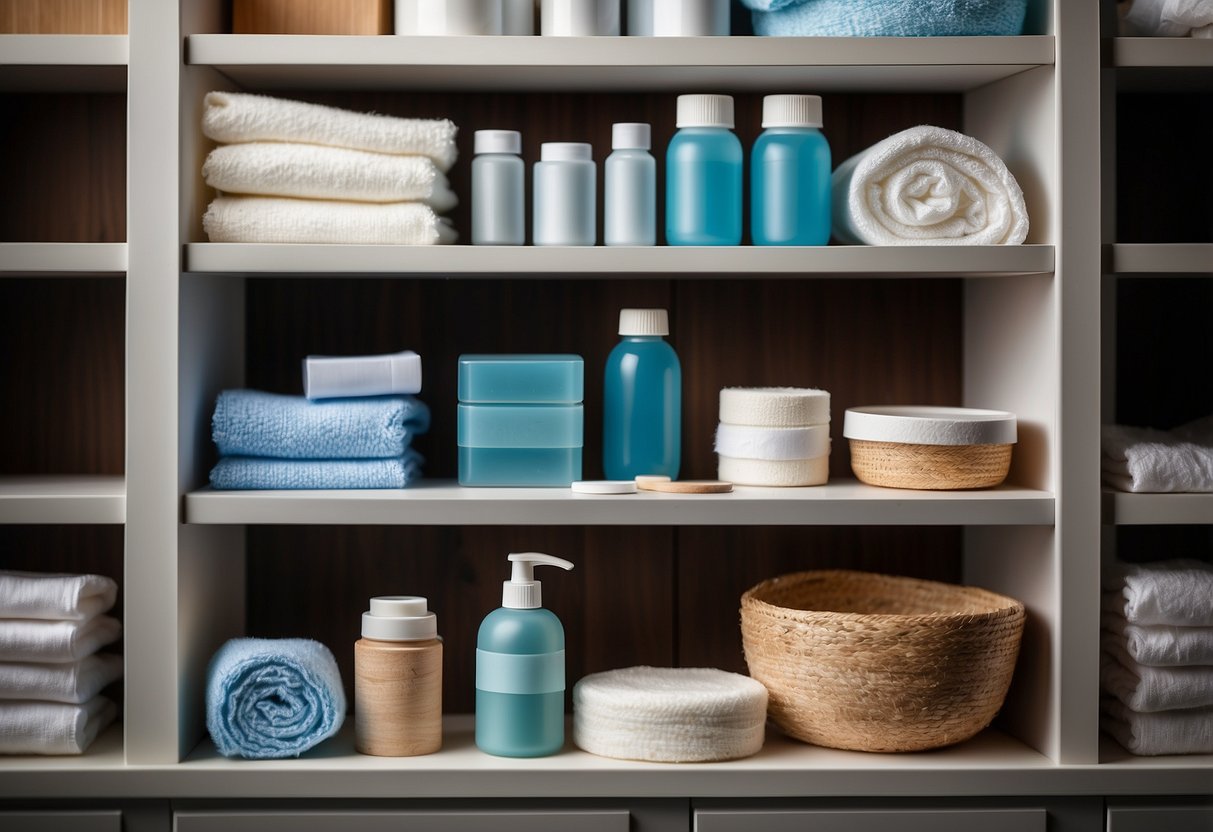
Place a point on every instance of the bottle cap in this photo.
(399, 618)
(705, 111)
(791, 111)
(644, 322)
(498, 141)
(566, 152)
(522, 591)
(631, 136)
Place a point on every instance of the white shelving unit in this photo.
(75, 259)
(1162, 258)
(46, 499)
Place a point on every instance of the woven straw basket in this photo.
(933, 467)
(872, 662)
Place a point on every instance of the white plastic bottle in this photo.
(498, 207)
(579, 18)
(565, 195)
(630, 200)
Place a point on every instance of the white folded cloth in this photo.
(70, 682)
(1176, 592)
(232, 117)
(1148, 460)
(928, 186)
(311, 171)
(1170, 732)
(1168, 18)
(1160, 645)
(252, 219)
(1151, 689)
(55, 596)
(53, 728)
(55, 641)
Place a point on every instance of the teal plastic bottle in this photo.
(790, 174)
(642, 399)
(520, 668)
(703, 175)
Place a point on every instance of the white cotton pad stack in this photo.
(669, 714)
(775, 436)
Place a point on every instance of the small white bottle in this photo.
(630, 198)
(579, 18)
(565, 195)
(518, 17)
(498, 176)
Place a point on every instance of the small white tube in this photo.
(334, 377)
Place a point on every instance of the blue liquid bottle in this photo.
(790, 174)
(703, 175)
(642, 401)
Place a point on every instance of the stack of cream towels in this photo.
(292, 172)
(51, 675)
(1144, 459)
(1167, 18)
(774, 436)
(1157, 663)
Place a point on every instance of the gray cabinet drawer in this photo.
(1160, 819)
(883, 820)
(108, 821)
(453, 821)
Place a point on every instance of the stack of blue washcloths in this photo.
(270, 441)
(887, 18)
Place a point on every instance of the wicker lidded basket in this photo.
(933, 448)
(871, 662)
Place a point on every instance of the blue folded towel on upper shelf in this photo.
(887, 18)
(244, 472)
(272, 698)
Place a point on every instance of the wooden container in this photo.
(63, 17)
(311, 17)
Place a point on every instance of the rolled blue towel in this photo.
(272, 698)
(236, 473)
(254, 423)
(887, 18)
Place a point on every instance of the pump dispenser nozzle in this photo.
(522, 591)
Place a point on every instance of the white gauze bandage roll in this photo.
(778, 473)
(772, 443)
(774, 407)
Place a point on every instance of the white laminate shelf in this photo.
(62, 499)
(1124, 509)
(623, 261)
(63, 63)
(75, 259)
(438, 502)
(275, 62)
(1162, 258)
(1186, 53)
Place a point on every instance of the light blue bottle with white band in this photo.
(520, 668)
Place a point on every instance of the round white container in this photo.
(448, 17)
(579, 18)
(640, 17)
(565, 195)
(689, 18)
(914, 425)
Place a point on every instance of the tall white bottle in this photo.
(565, 198)
(631, 188)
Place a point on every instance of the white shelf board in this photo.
(1125, 509)
(1162, 52)
(691, 261)
(276, 62)
(104, 755)
(62, 499)
(63, 258)
(440, 502)
(63, 63)
(1162, 258)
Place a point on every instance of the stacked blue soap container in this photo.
(520, 420)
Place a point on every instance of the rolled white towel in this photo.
(1160, 645)
(1151, 689)
(231, 117)
(51, 727)
(72, 683)
(55, 641)
(47, 595)
(310, 171)
(928, 186)
(1169, 732)
(1176, 592)
(251, 219)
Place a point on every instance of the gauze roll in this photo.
(785, 473)
(774, 407)
(746, 442)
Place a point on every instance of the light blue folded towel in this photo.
(887, 18)
(253, 423)
(235, 473)
(272, 698)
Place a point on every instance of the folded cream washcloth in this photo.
(232, 117)
(1151, 689)
(928, 186)
(51, 727)
(71, 682)
(52, 596)
(1168, 18)
(1176, 592)
(1153, 461)
(252, 219)
(1160, 645)
(55, 641)
(1169, 732)
(314, 172)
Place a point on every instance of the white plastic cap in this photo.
(705, 111)
(399, 618)
(791, 111)
(566, 152)
(631, 135)
(644, 322)
(522, 591)
(498, 141)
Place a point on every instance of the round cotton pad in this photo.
(605, 487)
(774, 407)
(772, 472)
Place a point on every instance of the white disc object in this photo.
(605, 486)
(913, 425)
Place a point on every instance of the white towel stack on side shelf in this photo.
(1157, 663)
(774, 436)
(51, 675)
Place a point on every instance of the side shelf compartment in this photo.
(864, 820)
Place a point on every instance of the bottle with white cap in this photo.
(703, 175)
(498, 207)
(630, 198)
(790, 174)
(565, 195)
(398, 679)
(642, 399)
(520, 668)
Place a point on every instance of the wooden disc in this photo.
(644, 481)
(691, 487)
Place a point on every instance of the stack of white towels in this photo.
(774, 436)
(1157, 663)
(51, 675)
(1167, 18)
(1148, 460)
(292, 172)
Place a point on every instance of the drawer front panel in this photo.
(889, 820)
(107, 821)
(455, 821)
(1160, 819)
